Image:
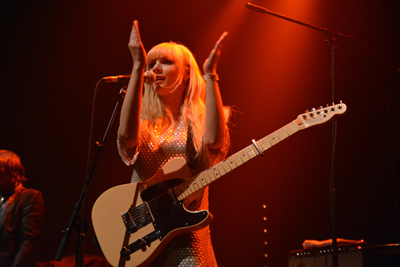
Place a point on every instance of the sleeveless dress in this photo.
(189, 249)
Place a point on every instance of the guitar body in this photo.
(134, 222)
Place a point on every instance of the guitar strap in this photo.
(191, 155)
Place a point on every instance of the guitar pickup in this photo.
(137, 218)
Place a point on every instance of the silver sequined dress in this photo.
(190, 249)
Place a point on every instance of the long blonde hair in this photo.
(193, 108)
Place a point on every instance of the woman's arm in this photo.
(215, 118)
(130, 112)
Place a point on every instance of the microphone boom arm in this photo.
(266, 11)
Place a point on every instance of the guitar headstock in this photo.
(321, 115)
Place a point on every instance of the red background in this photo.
(52, 54)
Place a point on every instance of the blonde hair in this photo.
(193, 108)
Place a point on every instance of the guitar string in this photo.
(218, 166)
(135, 209)
(225, 165)
(271, 140)
(138, 213)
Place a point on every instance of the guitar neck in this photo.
(220, 169)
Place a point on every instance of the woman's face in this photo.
(167, 73)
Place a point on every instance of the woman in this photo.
(180, 115)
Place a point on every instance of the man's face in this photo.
(5, 182)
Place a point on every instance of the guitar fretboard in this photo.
(220, 169)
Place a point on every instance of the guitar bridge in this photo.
(137, 218)
(141, 243)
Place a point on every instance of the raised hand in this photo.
(136, 47)
(210, 64)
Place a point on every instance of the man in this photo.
(21, 214)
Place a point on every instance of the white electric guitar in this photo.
(134, 222)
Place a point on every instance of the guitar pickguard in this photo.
(166, 213)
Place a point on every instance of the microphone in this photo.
(149, 77)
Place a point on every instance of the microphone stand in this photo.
(82, 226)
(331, 39)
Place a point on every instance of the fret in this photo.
(195, 184)
(189, 191)
(273, 139)
(209, 180)
(282, 134)
(216, 173)
(246, 156)
(221, 169)
(226, 166)
(201, 180)
(253, 153)
(264, 145)
(232, 163)
(292, 128)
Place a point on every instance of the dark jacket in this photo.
(20, 227)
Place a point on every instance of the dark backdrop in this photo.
(52, 53)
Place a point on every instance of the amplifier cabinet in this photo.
(347, 257)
